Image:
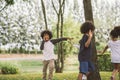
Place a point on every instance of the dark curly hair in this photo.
(46, 32)
(114, 33)
(85, 27)
(117, 29)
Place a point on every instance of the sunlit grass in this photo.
(32, 70)
(57, 76)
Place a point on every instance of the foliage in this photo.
(26, 66)
(22, 22)
(71, 30)
(8, 68)
(21, 50)
(102, 35)
(104, 63)
(19, 26)
(9, 2)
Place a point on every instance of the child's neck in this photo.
(114, 39)
(47, 40)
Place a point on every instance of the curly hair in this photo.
(85, 27)
(114, 33)
(117, 29)
(46, 32)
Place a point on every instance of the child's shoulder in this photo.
(118, 41)
(85, 36)
(110, 41)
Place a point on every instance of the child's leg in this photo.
(87, 74)
(45, 65)
(83, 70)
(51, 69)
(115, 71)
(80, 76)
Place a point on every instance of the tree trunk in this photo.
(89, 17)
(59, 63)
(44, 13)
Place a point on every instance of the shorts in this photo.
(116, 65)
(86, 66)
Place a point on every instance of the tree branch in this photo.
(54, 7)
(44, 13)
(4, 7)
(63, 6)
(63, 3)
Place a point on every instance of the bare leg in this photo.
(87, 74)
(80, 76)
(115, 71)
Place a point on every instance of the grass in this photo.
(32, 70)
(57, 76)
(31, 66)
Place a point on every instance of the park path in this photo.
(20, 57)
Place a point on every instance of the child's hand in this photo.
(90, 33)
(69, 38)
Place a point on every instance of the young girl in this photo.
(47, 48)
(85, 51)
(114, 45)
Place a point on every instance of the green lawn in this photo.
(57, 76)
(32, 70)
(31, 66)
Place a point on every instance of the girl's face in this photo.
(46, 37)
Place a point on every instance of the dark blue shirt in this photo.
(84, 52)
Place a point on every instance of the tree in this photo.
(59, 63)
(44, 13)
(20, 26)
(89, 16)
(7, 2)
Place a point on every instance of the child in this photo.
(47, 48)
(114, 45)
(117, 28)
(85, 51)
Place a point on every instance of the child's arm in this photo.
(89, 39)
(42, 45)
(54, 41)
(106, 47)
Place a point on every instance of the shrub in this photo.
(104, 63)
(8, 68)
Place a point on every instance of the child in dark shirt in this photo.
(85, 51)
